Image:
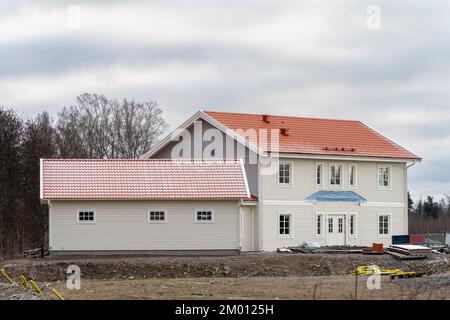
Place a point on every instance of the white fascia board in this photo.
(202, 115)
(342, 158)
(41, 182)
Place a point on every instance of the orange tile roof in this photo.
(315, 136)
(87, 179)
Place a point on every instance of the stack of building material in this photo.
(377, 248)
(408, 251)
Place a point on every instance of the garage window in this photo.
(85, 216)
(157, 216)
(204, 216)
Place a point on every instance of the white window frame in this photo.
(340, 186)
(389, 225)
(355, 225)
(322, 224)
(204, 221)
(291, 225)
(355, 178)
(322, 175)
(389, 187)
(291, 175)
(156, 221)
(77, 216)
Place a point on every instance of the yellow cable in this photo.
(57, 294)
(35, 287)
(6, 276)
(24, 281)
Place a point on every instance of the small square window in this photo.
(157, 216)
(86, 216)
(204, 216)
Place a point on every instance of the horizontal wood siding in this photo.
(123, 225)
(304, 224)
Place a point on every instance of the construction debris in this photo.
(377, 248)
(36, 253)
(393, 273)
(325, 249)
(408, 251)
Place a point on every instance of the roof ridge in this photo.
(279, 115)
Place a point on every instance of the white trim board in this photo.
(308, 203)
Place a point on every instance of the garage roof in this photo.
(144, 179)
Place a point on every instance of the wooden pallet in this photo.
(402, 256)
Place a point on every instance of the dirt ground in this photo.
(248, 276)
(319, 287)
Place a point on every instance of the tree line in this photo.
(429, 216)
(94, 127)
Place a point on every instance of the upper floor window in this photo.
(352, 176)
(384, 177)
(335, 175)
(319, 175)
(284, 174)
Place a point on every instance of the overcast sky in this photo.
(307, 58)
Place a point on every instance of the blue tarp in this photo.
(336, 196)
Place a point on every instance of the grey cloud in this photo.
(402, 68)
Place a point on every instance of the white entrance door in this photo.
(335, 230)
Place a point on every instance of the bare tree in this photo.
(136, 127)
(10, 180)
(98, 127)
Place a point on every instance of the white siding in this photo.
(288, 200)
(123, 225)
(248, 228)
(304, 224)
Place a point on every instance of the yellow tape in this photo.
(35, 287)
(6, 276)
(60, 297)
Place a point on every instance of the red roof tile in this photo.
(142, 179)
(317, 136)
